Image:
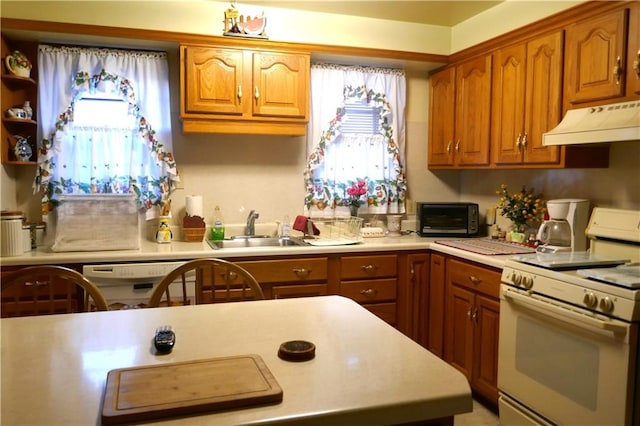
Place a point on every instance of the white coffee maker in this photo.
(565, 229)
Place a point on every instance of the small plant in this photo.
(521, 207)
(355, 192)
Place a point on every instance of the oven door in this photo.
(563, 363)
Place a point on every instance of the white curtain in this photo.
(337, 161)
(134, 155)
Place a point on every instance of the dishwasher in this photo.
(130, 285)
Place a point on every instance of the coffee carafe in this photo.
(564, 231)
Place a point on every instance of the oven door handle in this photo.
(562, 313)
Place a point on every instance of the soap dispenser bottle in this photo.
(217, 232)
(286, 228)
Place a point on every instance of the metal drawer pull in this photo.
(230, 276)
(240, 91)
(617, 70)
(368, 292)
(519, 141)
(301, 271)
(524, 140)
(469, 314)
(458, 146)
(257, 92)
(449, 147)
(474, 279)
(367, 267)
(474, 316)
(36, 284)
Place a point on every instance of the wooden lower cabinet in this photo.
(472, 311)
(413, 295)
(372, 281)
(292, 277)
(53, 297)
(394, 285)
(435, 306)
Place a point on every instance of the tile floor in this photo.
(480, 416)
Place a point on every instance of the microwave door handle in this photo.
(564, 314)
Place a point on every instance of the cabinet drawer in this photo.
(369, 290)
(384, 311)
(305, 290)
(354, 267)
(474, 277)
(288, 270)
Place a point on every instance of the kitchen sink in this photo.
(256, 241)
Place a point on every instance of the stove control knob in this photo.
(527, 282)
(606, 305)
(517, 279)
(590, 300)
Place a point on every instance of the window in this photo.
(104, 125)
(355, 140)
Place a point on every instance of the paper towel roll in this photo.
(194, 205)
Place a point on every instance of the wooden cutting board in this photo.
(157, 391)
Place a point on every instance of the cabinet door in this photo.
(508, 102)
(441, 118)
(435, 335)
(418, 280)
(213, 81)
(486, 317)
(459, 334)
(280, 85)
(473, 106)
(543, 107)
(595, 58)
(633, 61)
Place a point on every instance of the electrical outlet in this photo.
(411, 207)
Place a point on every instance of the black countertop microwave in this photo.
(447, 219)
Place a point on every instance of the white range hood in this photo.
(606, 123)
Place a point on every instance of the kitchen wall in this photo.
(240, 173)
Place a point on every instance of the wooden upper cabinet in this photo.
(595, 59)
(526, 101)
(213, 81)
(460, 105)
(473, 109)
(281, 85)
(441, 117)
(225, 90)
(633, 61)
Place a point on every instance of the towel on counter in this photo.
(305, 224)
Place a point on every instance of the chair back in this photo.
(46, 290)
(203, 281)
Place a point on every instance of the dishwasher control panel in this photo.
(128, 285)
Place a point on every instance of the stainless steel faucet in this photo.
(250, 229)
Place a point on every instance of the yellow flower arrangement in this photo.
(521, 207)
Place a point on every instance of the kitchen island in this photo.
(54, 368)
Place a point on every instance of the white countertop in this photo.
(54, 367)
(179, 250)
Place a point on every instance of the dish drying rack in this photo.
(337, 231)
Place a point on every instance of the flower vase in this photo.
(518, 234)
(353, 210)
(517, 237)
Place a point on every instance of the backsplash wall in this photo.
(265, 173)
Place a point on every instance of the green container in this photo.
(217, 232)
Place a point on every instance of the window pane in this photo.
(102, 113)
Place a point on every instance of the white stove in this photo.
(570, 327)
